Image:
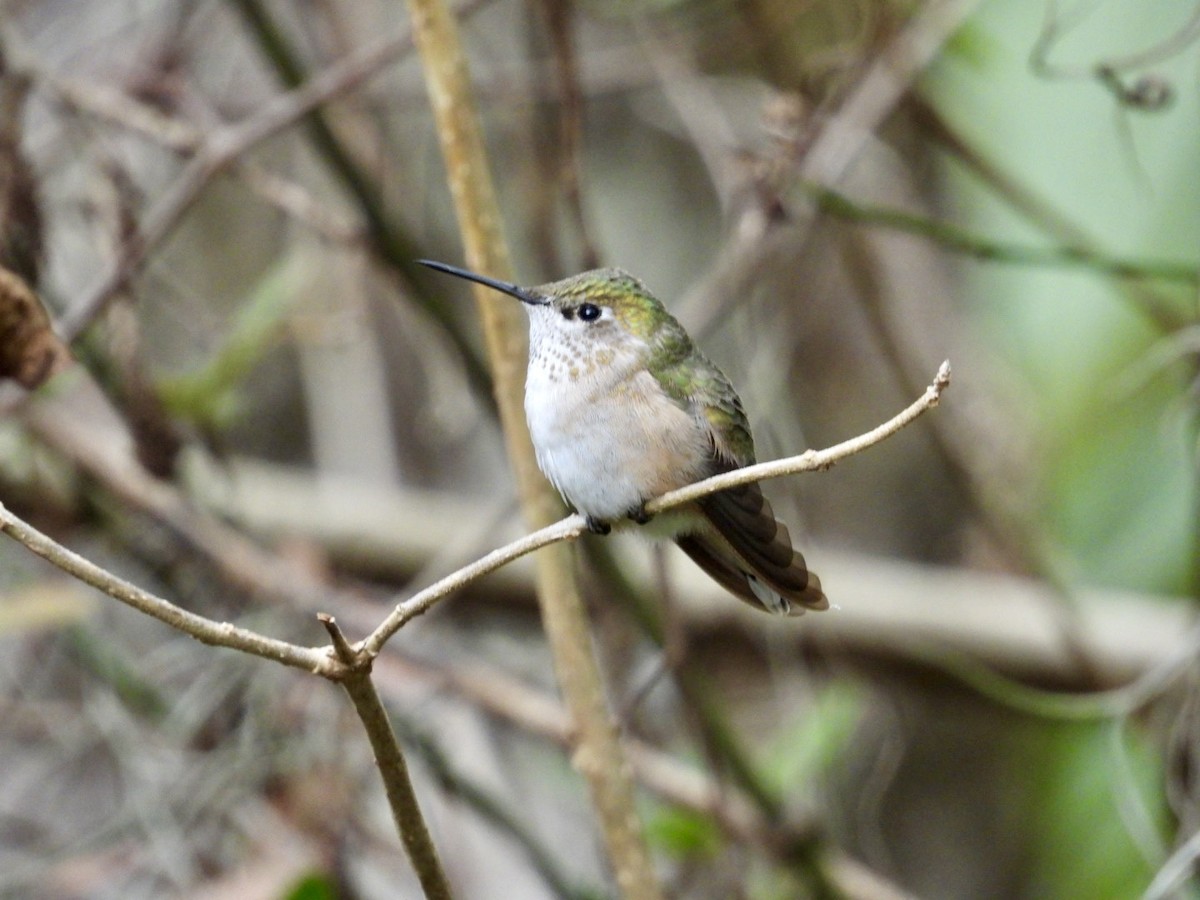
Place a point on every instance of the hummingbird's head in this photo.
(603, 307)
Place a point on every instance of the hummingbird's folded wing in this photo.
(742, 547)
(750, 553)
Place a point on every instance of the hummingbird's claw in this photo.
(639, 514)
(597, 526)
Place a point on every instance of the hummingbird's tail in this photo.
(749, 553)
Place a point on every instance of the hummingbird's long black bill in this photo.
(505, 287)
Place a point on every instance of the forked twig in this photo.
(350, 665)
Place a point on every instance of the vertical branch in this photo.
(567, 154)
(599, 756)
(400, 794)
(389, 759)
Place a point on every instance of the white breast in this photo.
(608, 438)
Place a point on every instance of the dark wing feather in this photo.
(720, 569)
(747, 541)
(745, 521)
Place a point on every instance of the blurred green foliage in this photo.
(803, 750)
(1117, 486)
(210, 396)
(681, 833)
(313, 887)
(1115, 437)
(1097, 812)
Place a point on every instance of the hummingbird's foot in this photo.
(639, 514)
(597, 526)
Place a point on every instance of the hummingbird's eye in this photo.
(589, 312)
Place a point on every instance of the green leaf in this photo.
(316, 886)
(683, 833)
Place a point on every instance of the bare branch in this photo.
(810, 460)
(402, 799)
(340, 645)
(205, 630)
(565, 530)
(571, 527)
(351, 667)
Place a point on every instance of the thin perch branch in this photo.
(318, 660)
(809, 460)
(205, 630)
(573, 526)
(564, 530)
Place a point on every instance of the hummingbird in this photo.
(622, 407)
